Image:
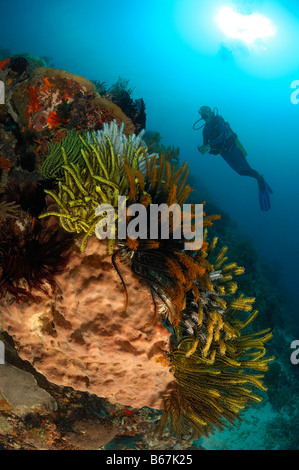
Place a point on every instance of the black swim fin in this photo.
(264, 194)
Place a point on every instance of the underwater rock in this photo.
(90, 435)
(83, 338)
(20, 390)
(41, 105)
(47, 100)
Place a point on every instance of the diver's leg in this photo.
(236, 160)
(249, 172)
(264, 193)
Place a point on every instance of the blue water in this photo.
(177, 60)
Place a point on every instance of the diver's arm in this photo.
(203, 148)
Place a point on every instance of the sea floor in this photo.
(263, 428)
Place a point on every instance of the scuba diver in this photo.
(218, 138)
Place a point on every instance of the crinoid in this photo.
(167, 269)
(27, 196)
(215, 365)
(92, 169)
(8, 210)
(217, 368)
(31, 255)
(69, 149)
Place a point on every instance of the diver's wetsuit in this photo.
(222, 140)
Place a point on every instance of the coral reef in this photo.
(42, 104)
(193, 292)
(120, 94)
(53, 98)
(140, 322)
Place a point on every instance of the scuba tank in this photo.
(231, 138)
